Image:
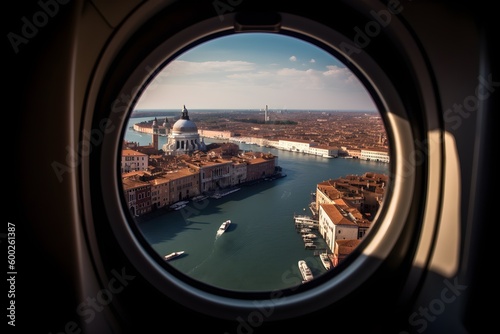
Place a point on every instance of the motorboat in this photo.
(200, 198)
(309, 245)
(224, 226)
(179, 205)
(325, 260)
(173, 255)
(305, 271)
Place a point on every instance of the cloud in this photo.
(241, 84)
(242, 72)
(312, 61)
(293, 58)
(182, 68)
(340, 73)
(313, 79)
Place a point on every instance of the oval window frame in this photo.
(229, 305)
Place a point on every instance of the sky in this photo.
(252, 70)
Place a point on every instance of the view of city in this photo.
(249, 196)
(201, 162)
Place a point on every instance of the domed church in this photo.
(184, 137)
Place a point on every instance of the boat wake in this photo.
(202, 262)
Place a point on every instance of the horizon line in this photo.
(250, 109)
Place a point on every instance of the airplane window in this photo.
(267, 159)
(254, 162)
(201, 159)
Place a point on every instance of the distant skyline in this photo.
(252, 70)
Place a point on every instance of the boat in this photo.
(309, 236)
(220, 195)
(305, 271)
(325, 260)
(224, 226)
(305, 230)
(173, 255)
(179, 205)
(200, 198)
(309, 245)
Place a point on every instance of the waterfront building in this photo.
(137, 195)
(260, 165)
(145, 192)
(184, 184)
(184, 137)
(335, 223)
(184, 177)
(273, 143)
(239, 171)
(160, 192)
(324, 151)
(354, 152)
(345, 208)
(363, 192)
(342, 249)
(326, 193)
(216, 134)
(305, 146)
(213, 173)
(133, 161)
(374, 155)
(296, 145)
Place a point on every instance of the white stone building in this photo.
(184, 137)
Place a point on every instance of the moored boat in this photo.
(200, 198)
(179, 205)
(325, 260)
(305, 271)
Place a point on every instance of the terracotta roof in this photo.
(330, 191)
(335, 215)
(131, 183)
(127, 152)
(347, 246)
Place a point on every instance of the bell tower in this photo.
(155, 134)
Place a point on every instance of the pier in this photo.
(302, 221)
(309, 245)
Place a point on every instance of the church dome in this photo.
(184, 125)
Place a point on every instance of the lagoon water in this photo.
(261, 248)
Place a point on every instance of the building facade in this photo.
(133, 161)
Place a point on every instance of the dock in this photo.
(302, 221)
(309, 245)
